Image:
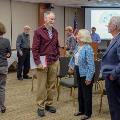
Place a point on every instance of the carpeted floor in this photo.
(20, 103)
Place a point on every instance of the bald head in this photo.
(26, 29)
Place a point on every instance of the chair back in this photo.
(97, 70)
(75, 80)
(63, 70)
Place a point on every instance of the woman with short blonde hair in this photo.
(69, 29)
(83, 64)
(84, 36)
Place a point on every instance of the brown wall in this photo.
(41, 9)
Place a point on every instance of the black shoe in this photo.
(20, 78)
(3, 110)
(50, 109)
(85, 117)
(41, 112)
(27, 77)
(78, 114)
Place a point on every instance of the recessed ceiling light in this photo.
(96, 0)
(99, 0)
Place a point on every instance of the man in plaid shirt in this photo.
(45, 43)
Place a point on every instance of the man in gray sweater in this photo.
(23, 54)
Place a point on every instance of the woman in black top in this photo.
(5, 52)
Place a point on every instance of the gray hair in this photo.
(86, 37)
(115, 20)
(47, 13)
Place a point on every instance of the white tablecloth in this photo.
(13, 59)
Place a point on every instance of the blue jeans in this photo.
(3, 76)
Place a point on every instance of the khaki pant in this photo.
(46, 80)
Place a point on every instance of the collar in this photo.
(93, 33)
(116, 35)
(25, 34)
(44, 28)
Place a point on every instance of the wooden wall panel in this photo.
(43, 7)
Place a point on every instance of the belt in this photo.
(25, 48)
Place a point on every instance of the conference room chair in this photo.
(65, 79)
(99, 82)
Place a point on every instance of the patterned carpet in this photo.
(20, 103)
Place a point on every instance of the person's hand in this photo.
(21, 53)
(87, 82)
(40, 66)
(8, 55)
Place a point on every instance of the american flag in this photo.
(75, 22)
(75, 27)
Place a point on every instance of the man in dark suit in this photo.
(111, 68)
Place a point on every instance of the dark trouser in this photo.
(113, 94)
(2, 90)
(84, 94)
(23, 63)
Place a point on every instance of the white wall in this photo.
(59, 23)
(22, 14)
(27, 14)
(5, 16)
(70, 14)
(68, 19)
